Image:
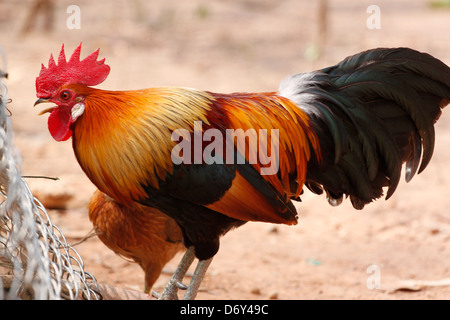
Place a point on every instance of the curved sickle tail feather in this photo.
(372, 112)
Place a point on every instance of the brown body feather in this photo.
(142, 234)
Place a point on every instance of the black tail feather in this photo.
(372, 112)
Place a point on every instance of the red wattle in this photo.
(59, 123)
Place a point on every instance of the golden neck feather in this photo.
(123, 140)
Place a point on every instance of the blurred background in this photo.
(227, 46)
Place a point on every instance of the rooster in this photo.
(137, 232)
(215, 161)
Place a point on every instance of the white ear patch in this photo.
(77, 110)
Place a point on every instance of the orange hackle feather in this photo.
(135, 123)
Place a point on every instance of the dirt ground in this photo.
(246, 45)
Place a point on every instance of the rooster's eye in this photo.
(65, 95)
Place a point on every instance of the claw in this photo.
(181, 286)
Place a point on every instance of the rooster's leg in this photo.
(197, 278)
(170, 291)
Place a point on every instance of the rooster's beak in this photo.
(40, 100)
(43, 100)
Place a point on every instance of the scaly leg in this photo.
(197, 278)
(170, 291)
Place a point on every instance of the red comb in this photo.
(88, 71)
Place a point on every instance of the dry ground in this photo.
(246, 45)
